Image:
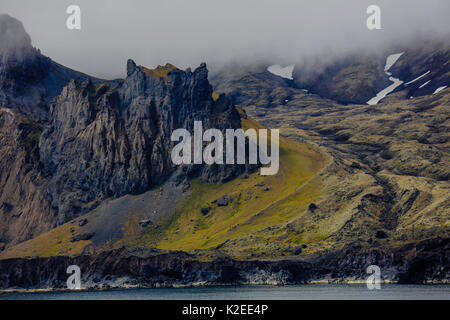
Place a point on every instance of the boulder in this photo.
(83, 236)
(224, 201)
(145, 223)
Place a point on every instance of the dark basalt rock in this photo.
(413, 263)
(131, 66)
(145, 223)
(83, 222)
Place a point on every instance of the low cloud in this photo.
(186, 33)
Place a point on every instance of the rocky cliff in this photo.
(107, 141)
(70, 141)
(426, 262)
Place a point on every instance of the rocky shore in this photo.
(424, 262)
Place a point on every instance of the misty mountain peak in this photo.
(14, 40)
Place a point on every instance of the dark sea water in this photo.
(300, 292)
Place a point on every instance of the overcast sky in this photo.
(187, 32)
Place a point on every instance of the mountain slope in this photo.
(174, 219)
(387, 180)
(252, 85)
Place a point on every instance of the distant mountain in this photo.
(422, 68)
(252, 85)
(358, 78)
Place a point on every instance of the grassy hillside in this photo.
(253, 210)
(53, 243)
(261, 208)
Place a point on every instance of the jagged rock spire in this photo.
(131, 65)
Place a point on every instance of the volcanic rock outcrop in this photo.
(69, 140)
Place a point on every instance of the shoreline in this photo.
(196, 285)
(426, 262)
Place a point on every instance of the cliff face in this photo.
(425, 262)
(70, 140)
(107, 141)
(24, 210)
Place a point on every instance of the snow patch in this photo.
(285, 72)
(423, 85)
(383, 93)
(439, 89)
(419, 77)
(390, 61)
